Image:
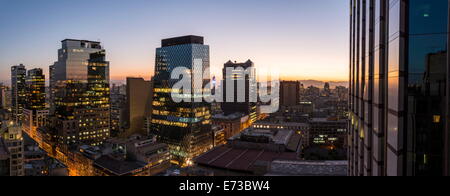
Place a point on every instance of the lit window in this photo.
(436, 119)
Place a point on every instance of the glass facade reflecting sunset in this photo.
(186, 127)
(399, 87)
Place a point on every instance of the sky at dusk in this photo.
(304, 39)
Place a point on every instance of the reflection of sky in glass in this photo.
(294, 35)
(428, 30)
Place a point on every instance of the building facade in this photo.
(399, 88)
(232, 124)
(118, 109)
(185, 126)
(3, 97)
(138, 105)
(18, 91)
(289, 93)
(81, 94)
(241, 81)
(13, 144)
(35, 90)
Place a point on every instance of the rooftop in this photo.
(190, 39)
(291, 124)
(241, 160)
(308, 168)
(233, 116)
(77, 40)
(322, 120)
(117, 167)
(247, 64)
(275, 136)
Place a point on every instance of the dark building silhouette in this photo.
(138, 105)
(240, 100)
(289, 93)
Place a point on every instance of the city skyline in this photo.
(286, 38)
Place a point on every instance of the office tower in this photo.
(81, 93)
(52, 88)
(118, 109)
(399, 88)
(138, 105)
(327, 89)
(35, 90)
(35, 112)
(3, 90)
(18, 91)
(185, 127)
(11, 149)
(289, 93)
(243, 78)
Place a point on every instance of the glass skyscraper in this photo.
(80, 88)
(35, 88)
(399, 87)
(18, 91)
(185, 127)
(35, 112)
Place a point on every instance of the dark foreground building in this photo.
(399, 87)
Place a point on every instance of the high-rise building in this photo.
(243, 78)
(399, 88)
(138, 105)
(118, 109)
(289, 93)
(35, 112)
(35, 90)
(327, 89)
(185, 126)
(81, 93)
(52, 89)
(3, 90)
(11, 149)
(18, 91)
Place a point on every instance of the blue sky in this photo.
(305, 39)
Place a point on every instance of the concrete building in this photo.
(3, 97)
(289, 93)
(302, 129)
(251, 153)
(12, 155)
(219, 135)
(328, 133)
(307, 168)
(282, 140)
(134, 156)
(118, 109)
(138, 105)
(232, 124)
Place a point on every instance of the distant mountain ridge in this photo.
(320, 84)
